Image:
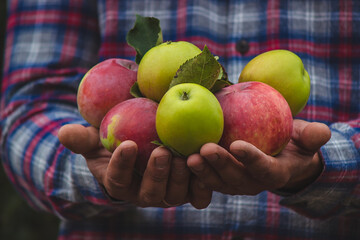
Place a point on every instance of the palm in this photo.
(245, 170)
(166, 179)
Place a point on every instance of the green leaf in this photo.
(135, 90)
(203, 69)
(145, 34)
(173, 151)
(222, 81)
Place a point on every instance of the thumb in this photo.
(310, 136)
(79, 139)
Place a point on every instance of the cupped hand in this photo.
(167, 181)
(246, 170)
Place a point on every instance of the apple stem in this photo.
(185, 96)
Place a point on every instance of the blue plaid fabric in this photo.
(52, 43)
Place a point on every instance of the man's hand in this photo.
(167, 181)
(248, 171)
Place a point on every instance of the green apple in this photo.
(284, 71)
(188, 116)
(159, 65)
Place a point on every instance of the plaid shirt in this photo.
(52, 43)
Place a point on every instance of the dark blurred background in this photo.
(17, 220)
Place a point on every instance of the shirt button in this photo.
(242, 46)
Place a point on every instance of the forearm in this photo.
(49, 176)
(49, 49)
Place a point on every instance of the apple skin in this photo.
(284, 71)
(103, 86)
(184, 122)
(159, 65)
(256, 113)
(132, 119)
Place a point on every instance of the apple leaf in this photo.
(203, 69)
(135, 91)
(222, 81)
(173, 151)
(145, 34)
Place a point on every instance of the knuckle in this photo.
(113, 188)
(113, 183)
(159, 176)
(149, 199)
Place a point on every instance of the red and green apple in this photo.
(257, 113)
(103, 86)
(132, 119)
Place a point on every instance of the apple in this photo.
(257, 113)
(188, 116)
(132, 119)
(284, 71)
(159, 66)
(103, 86)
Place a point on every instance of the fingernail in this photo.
(162, 162)
(212, 157)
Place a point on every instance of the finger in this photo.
(178, 183)
(311, 136)
(265, 169)
(155, 178)
(85, 141)
(120, 171)
(79, 139)
(204, 172)
(225, 165)
(200, 195)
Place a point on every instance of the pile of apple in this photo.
(178, 96)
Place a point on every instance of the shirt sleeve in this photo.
(337, 190)
(50, 45)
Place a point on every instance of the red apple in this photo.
(133, 119)
(256, 113)
(104, 86)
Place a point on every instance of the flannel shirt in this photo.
(50, 45)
